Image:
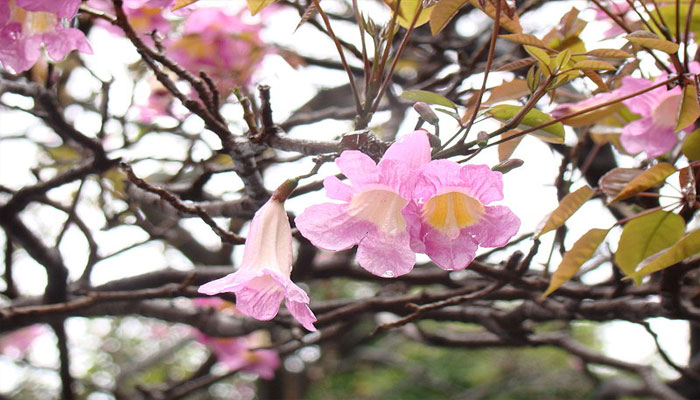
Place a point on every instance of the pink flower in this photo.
(221, 45)
(17, 343)
(369, 214)
(235, 353)
(620, 9)
(654, 133)
(27, 24)
(144, 16)
(449, 217)
(262, 280)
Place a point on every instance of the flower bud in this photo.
(507, 165)
(426, 113)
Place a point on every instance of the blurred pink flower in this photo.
(26, 25)
(17, 343)
(235, 353)
(145, 16)
(654, 133)
(449, 217)
(220, 44)
(262, 280)
(619, 9)
(158, 105)
(370, 213)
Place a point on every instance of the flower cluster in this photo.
(28, 25)
(407, 204)
(403, 205)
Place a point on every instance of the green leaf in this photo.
(443, 13)
(525, 39)
(651, 177)
(645, 236)
(688, 246)
(428, 97)
(652, 41)
(553, 133)
(566, 208)
(691, 146)
(594, 64)
(689, 110)
(609, 53)
(581, 252)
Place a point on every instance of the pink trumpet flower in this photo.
(27, 25)
(263, 279)
(449, 217)
(369, 213)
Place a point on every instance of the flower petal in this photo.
(302, 313)
(62, 8)
(228, 283)
(482, 183)
(358, 167)
(329, 227)
(260, 298)
(386, 256)
(63, 41)
(450, 254)
(495, 228)
(644, 135)
(413, 150)
(337, 190)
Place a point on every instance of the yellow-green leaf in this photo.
(443, 13)
(526, 39)
(510, 24)
(609, 53)
(689, 110)
(553, 133)
(255, 6)
(572, 261)
(539, 54)
(63, 153)
(688, 246)
(566, 208)
(652, 41)
(594, 64)
(182, 3)
(651, 177)
(428, 97)
(117, 179)
(691, 146)
(408, 10)
(645, 236)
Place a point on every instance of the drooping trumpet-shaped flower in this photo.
(262, 280)
(369, 214)
(26, 25)
(449, 217)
